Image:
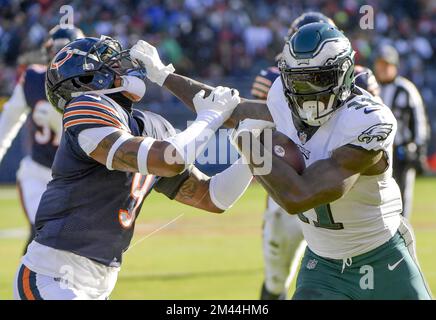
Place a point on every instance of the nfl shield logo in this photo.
(311, 264)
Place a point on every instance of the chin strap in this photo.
(130, 84)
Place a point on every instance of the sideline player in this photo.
(109, 159)
(28, 99)
(348, 203)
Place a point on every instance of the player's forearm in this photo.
(296, 193)
(249, 109)
(215, 194)
(185, 89)
(195, 193)
(285, 186)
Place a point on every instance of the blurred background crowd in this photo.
(223, 41)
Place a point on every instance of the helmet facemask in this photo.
(92, 66)
(314, 93)
(105, 63)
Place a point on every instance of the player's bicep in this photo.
(99, 148)
(117, 150)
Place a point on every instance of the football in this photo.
(285, 148)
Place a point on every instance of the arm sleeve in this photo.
(229, 185)
(12, 118)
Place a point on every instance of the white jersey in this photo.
(370, 213)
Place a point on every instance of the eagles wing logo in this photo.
(378, 131)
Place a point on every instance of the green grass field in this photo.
(200, 255)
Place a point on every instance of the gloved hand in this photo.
(221, 101)
(147, 56)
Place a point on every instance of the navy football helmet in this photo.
(87, 65)
(306, 18)
(59, 37)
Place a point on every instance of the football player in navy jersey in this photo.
(109, 159)
(29, 101)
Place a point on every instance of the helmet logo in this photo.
(57, 64)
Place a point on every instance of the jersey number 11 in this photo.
(324, 218)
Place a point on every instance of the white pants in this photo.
(49, 274)
(282, 236)
(32, 179)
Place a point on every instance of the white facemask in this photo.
(311, 109)
(132, 85)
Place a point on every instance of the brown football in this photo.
(283, 147)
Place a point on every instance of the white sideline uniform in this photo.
(282, 235)
(32, 180)
(63, 275)
(32, 177)
(370, 211)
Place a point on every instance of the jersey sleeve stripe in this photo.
(93, 104)
(99, 114)
(258, 94)
(261, 87)
(89, 121)
(264, 81)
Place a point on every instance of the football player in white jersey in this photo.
(282, 237)
(348, 203)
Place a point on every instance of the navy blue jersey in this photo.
(43, 140)
(88, 209)
(263, 82)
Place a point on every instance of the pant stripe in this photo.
(26, 284)
(27, 287)
(34, 287)
(20, 283)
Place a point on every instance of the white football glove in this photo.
(250, 125)
(147, 56)
(221, 101)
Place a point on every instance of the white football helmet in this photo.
(317, 72)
